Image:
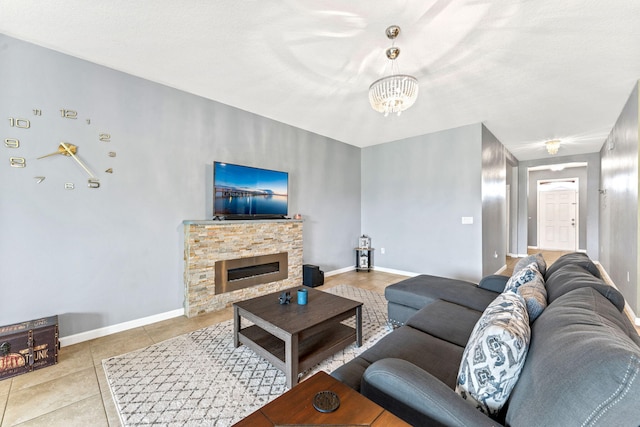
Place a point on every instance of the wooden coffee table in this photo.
(295, 407)
(296, 337)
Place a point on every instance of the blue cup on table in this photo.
(302, 296)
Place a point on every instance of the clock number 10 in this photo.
(19, 123)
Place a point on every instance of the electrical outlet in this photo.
(382, 251)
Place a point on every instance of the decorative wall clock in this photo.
(77, 152)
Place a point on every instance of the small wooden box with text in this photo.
(28, 346)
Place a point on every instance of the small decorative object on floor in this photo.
(312, 276)
(364, 242)
(364, 254)
(27, 346)
(285, 297)
(326, 401)
(302, 296)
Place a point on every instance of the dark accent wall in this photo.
(494, 208)
(619, 202)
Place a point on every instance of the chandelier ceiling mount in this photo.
(396, 92)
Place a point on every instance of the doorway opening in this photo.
(558, 214)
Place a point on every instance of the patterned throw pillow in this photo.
(519, 278)
(529, 283)
(537, 258)
(535, 295)
(495, 354)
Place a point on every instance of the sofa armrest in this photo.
(415, 395)
(494, 282)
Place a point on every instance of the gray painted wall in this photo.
(106, 256)
(494, 209)
(413, 199)
(592, 198)
(619, 204)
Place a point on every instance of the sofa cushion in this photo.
(574, 258)
(529, 284)
(572, 277)
(418, 291)
(583, 369)
(537, 258)
(495, 354)
(447, 321)
(493, 282)
(438, 357)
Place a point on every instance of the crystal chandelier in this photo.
(553, 146)
(397, 92)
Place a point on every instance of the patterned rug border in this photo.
(200, 379)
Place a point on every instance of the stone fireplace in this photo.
(229, 261)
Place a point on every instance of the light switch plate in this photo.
(467, 220)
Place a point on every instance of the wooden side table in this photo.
(295, 407)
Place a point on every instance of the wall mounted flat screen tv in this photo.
(248, 192)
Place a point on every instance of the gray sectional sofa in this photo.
(582, 364)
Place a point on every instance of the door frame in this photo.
(576, 187)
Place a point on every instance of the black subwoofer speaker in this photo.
(312, 275)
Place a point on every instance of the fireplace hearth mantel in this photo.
(207, 242)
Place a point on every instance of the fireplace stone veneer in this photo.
(206, 242)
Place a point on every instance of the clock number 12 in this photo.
(69, 114)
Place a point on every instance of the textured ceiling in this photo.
(529, 70)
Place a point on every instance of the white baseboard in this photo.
(517, 255)
(503, 268)
(398, 272)
(108, 330)
(381, 269)
(120, 327)
(339, 271)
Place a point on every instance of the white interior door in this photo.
(557, 220)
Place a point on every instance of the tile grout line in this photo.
(6, 401)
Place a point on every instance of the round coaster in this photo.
(326, 401)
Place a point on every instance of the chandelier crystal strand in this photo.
(397, 92)
(393, 94)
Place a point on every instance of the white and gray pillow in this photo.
(495, 354)
(529, 283)
(537, 258)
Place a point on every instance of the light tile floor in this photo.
(75, 392)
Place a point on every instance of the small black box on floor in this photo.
(27, 346)
(312, 275)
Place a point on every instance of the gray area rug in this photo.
(200, 379)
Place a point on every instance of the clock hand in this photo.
(62, 150)
(67, 147)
